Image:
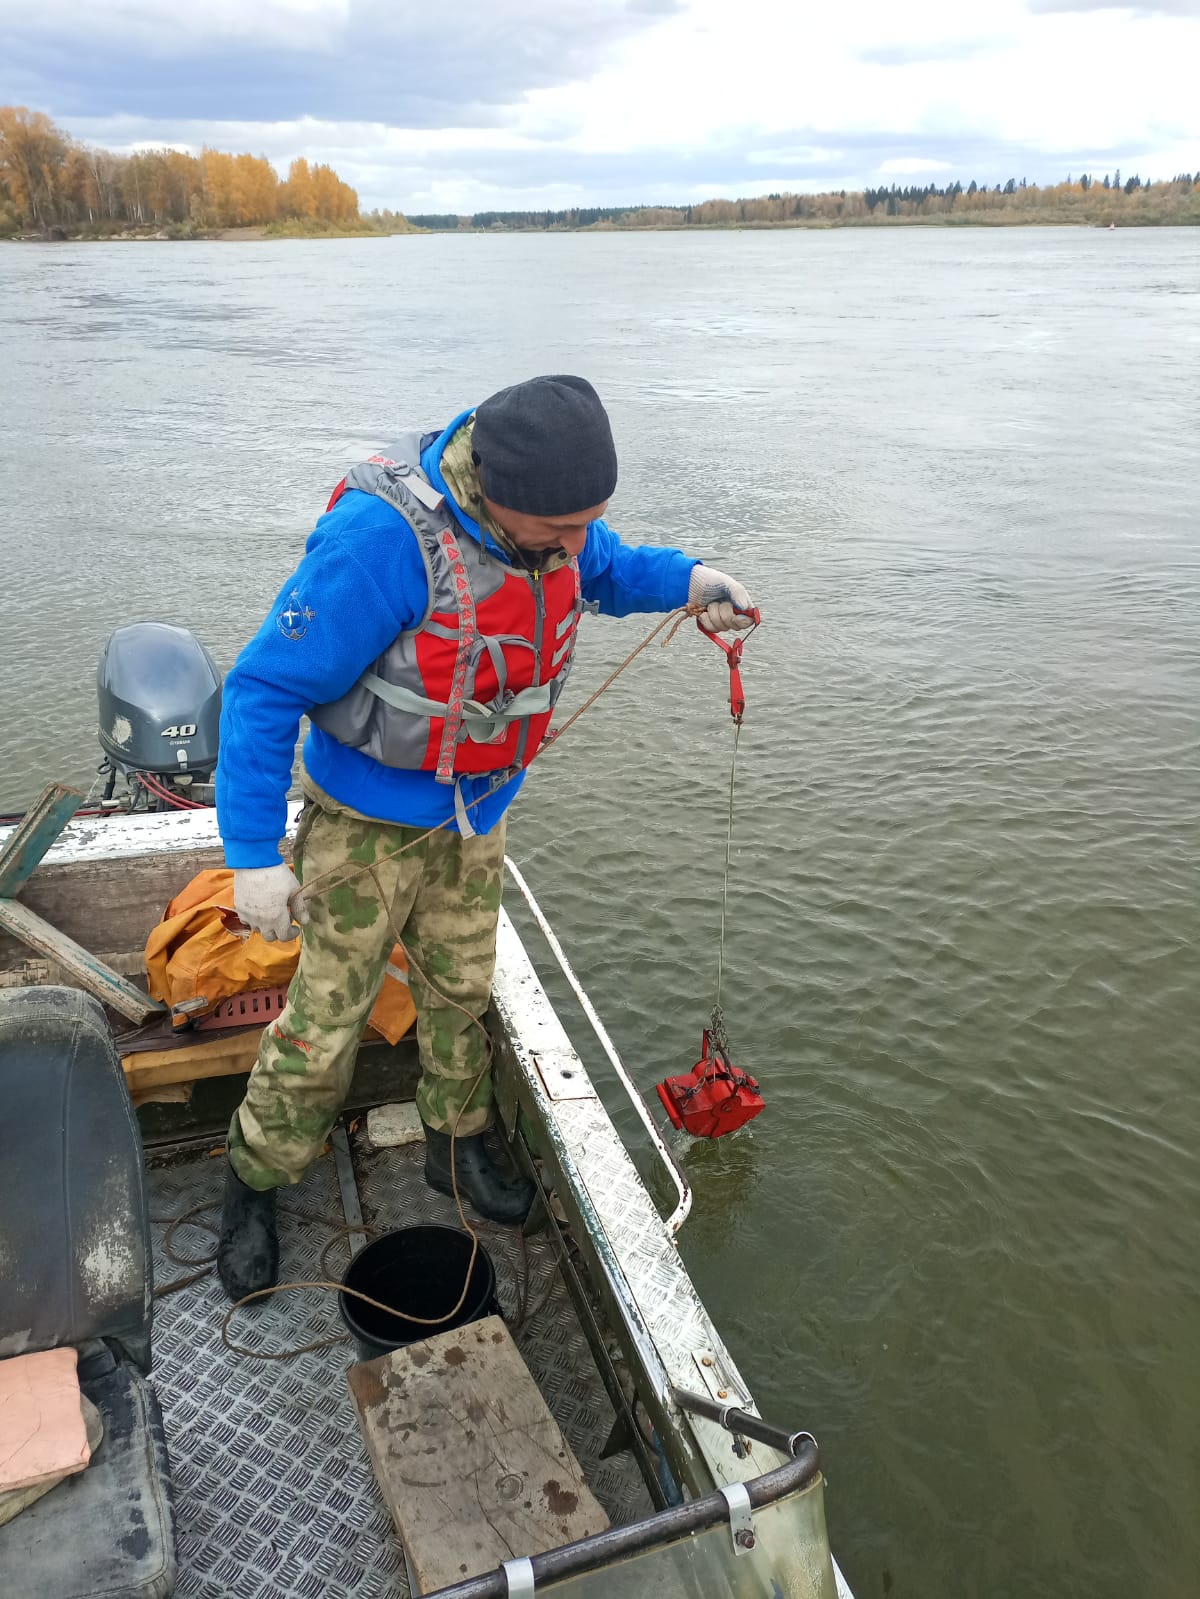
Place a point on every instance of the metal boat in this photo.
(265, 1489)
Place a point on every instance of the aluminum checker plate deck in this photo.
(274, 1495)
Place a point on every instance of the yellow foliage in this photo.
(48, 181)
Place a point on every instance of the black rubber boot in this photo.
(493, 1193)
(248, 1248)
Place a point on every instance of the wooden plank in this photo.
(471, 1463)
(190, 1063)
(34, 834)
(108, 879)
(226, 1057)
(169, 1094)
(111, 989)
(36, 973)
(110, 904)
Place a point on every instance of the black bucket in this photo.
(419, 1271)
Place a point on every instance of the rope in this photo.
(341, 1228)
(522, 1315)
(336, 1288)
(336, 877)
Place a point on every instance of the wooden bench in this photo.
(471, 1463)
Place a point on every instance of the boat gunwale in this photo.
(797, 1475)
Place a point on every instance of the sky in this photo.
(507, 104)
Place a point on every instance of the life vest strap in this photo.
(481, 723)
(401, 698)
(452, 727)
(411, 477)
(465, 826)
(460, 812)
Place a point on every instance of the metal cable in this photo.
(737, 733)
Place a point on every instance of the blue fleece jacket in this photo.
(361, 582)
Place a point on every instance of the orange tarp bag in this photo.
(394, 1011)
(192, 954)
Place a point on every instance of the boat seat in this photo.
(75, 1247)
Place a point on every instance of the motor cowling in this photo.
(159, 695)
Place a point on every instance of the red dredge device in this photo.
(715, 1097)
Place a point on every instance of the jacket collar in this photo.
(493, 542)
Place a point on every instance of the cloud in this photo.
(515, 103)
(913, 166)
(789, 158)
(465, 170)
(907, 54)
(1141, 8)
(401, 64)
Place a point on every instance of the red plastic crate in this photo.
(253, 1009)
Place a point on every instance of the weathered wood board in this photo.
(189, 1063)
(199, 1058)
(471, 1463)
(169, 1094)
(36, 970)
(108, 986)
(106, 904)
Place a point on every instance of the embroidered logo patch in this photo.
(294, 618)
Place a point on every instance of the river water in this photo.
(960, 472)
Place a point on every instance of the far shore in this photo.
(265, 233)
(199, 235)
(55, 189)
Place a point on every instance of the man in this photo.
(427, 633)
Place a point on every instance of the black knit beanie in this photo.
(545, 447)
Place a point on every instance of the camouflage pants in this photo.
(444, 897)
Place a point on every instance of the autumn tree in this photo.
(33, 154)
(298, 197)
(50, 181)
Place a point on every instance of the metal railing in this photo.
(679, 1215)
(742, 1423)
(622, 1543)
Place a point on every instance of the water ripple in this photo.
(959, 474)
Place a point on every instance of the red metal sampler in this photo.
(715, 1097)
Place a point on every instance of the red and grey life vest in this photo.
(472, 687)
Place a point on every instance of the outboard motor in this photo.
(160, 707)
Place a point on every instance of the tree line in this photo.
(1085, 199)
(52, 184)
(55, 185)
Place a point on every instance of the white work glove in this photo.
(268, 899)
(724, 596)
